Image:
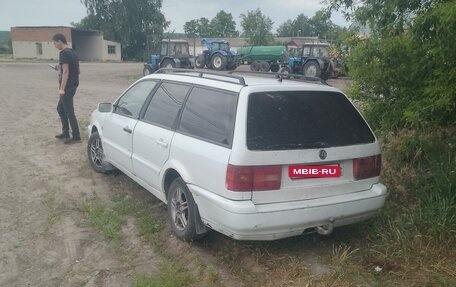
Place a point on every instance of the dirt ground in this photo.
(45, 237)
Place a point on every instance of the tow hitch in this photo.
(327, 228)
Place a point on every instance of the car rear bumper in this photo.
(243, 220)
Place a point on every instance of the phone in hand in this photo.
(52, 66)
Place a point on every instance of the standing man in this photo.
(68, 69)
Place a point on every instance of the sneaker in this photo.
(63, 136)
(72, 140)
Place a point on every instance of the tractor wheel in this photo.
(231, 66)
(255, 67)
(285, 71)
(168, 63)
(264, 67)
(218, 62)
(325, 75)
(275, 67)
(311, 69)
(200, 62)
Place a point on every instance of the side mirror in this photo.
(105, 107)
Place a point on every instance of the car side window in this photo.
(210, 115)
(131, 102)
(165, 104)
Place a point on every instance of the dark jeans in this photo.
(65, 109)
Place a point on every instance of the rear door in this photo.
(307, 130)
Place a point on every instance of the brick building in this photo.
(36, 42)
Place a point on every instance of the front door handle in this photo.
(162, 143)
(128, 130)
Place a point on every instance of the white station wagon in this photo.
(251, 156)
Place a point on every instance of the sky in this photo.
(64, 12)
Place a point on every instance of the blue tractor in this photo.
(217, 56)
(174, 54)
(310, 60)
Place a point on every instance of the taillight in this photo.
(253, 178)
(367, 167)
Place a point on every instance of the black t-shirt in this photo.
(68, 56)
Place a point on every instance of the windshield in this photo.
(177, 49)
(225, 46)
(220, 46)
(315, 51)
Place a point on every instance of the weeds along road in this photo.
(50, 198)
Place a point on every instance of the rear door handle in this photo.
(162, 143)
(128, 130)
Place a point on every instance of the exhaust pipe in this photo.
(327, 228)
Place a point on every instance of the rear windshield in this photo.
(303, 119)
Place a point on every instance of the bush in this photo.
(407, 79)
(420, 171)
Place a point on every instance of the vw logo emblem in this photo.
(323, 154)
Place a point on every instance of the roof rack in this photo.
(281, 76)
(217, 76)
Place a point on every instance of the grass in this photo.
(411, 242)
(171, 275)
(52, 213)
(109, 221)
(6, 57)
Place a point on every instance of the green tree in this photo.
(299, 27)
(319, 25)
(223, 25)
(191, 28)
(405, 69)
(137, 24)
(286, 29)
(385, 17)
(204, 27)
(89, 22)
(257, 28)
(303, 26)
(198, 28)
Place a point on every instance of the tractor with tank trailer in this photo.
(263, 58)
(311, 60)
(217, 56)
(174, 53)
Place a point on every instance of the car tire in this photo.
(182, 211)
(96, 155)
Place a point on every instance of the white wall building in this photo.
(36, 43)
